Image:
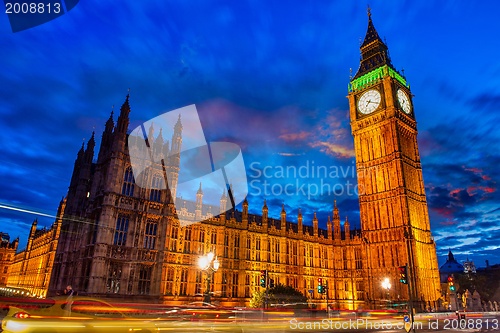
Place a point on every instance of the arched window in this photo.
(150, 234)
(144, 280)
(121, 230)
(156, 187)
(128, 183)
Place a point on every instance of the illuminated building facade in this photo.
(32, 267)
(393, 207)
(120, 240)
(7, 251)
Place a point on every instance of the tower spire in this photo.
(89, 153)
(374, 52)
(110, 123)
(123, 119)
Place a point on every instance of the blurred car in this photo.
(201, 304)
(72, 314)
(195, 311)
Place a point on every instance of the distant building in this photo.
(32, 267)
(7, 251)
(469, 266)
(449, 269)
(451, 266)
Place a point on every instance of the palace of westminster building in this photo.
(112, 238)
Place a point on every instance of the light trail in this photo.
(22, 210)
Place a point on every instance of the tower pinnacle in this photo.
(374, 52)
(123, 119)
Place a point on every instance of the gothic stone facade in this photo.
(7, 252)
(393, 208)
(119, 240)
(32, 267)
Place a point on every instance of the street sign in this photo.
(311, 291)
(406, 319)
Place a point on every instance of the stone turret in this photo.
(283, 218)
(336, 222)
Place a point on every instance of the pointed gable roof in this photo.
(374, 52)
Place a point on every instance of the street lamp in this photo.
(209, 264)
(386, 284)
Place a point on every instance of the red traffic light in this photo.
(403, 274)
(450, 278)
(320, 280)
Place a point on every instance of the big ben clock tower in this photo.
(393, 207)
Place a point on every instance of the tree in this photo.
(281, 294)
(257, 300)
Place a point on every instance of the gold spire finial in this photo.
(369, 11)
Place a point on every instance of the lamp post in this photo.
(386, 284)
(209, 264)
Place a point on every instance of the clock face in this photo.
(404, 101)
(369, 101)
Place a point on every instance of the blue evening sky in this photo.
(272, 77)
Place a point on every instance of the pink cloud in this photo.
(295, 136)
(333, 149)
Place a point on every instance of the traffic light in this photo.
(451, 283)
(263, 278)
(320, 286)
(271, 283)
(403, 274)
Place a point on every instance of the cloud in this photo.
(329, 135)
(486, 101)
(290, 154)
(303, 135)
(333, 149)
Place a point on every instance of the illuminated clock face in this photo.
(404, 101)
(369, 101)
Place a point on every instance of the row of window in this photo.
(121, 230)
(157, 185)
(151, 229)
(143, 278)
